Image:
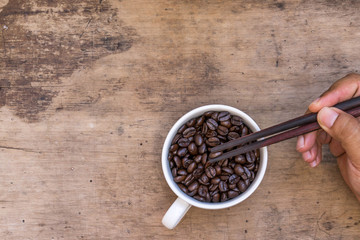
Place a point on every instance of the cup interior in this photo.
(166, 167)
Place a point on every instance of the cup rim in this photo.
(167, 171)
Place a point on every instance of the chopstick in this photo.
(304, 124)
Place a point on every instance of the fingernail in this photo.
(327, 116)
(316, 101)
(307, 155)
(313, 164)
(300, 142)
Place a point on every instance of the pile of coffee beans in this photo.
(190, 150)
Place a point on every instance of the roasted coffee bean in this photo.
(218, 169)
(237, 121)
(189, 179)
(194, 186)
(227, 170)
(223, 187)
(174, 172)
(203, 190)
(174, 147)
(191, 122)
(184, 142)
(177, 161)
(216, 197)
(232, 194)
(182, 128)
(182, 172)
(204, 179)
(213, 141)
(170, 156)
(233, 135)
(223, 197)
(242, 186)
(232, 186)
(215, 180)
(186, 162)
(225, 163)
(248, 173)
(176, 138)
(172, 164)
(197, 172)
(200, 121)
(204, 129)
(215, 154)
(234, 129)
(232, 164)
(240, 159)
(189, 132)
(201, 199)
(204, 158)
(191, 167)
(224, 177)
(250, 158)
(199, 140)
(192, 149)
(257, 153)
(178, 179)
(208, 113)
(183, 188)
(244, 131)
(224, 116)
(247, 182)
(239, 170)
(215, 116)
(252, 176)
(250, 166)
(191, 194)
(202, 148)
(210, 172)
(212, 124)
(222, 138)
(256, 167)
(234, 179)
(182, 152)
(226, 124)
(207, 197)
(213, 187)
(222, 130)
(211, 133)
(197, 159)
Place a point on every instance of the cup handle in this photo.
(175, 213)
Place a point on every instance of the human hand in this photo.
(339, 129)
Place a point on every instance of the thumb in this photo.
(344, 128)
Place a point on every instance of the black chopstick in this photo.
(299, 121)
(278, 138)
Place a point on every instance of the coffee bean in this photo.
(182, 152)
(222, 130)
(189, 179)
(189, 132)
(178, 179)
(172, 164)
(232, 164)
(227, 170)
(215, 181)
(248, 173)
(239, 170)
(210, 134)
(194, 186)
(186, 162)
(257, 153)
(237, 121)
(182, 128)
(184, 142)
(250, 158)
(213, 141)
(218, 169)
(191, 167)
(192, 149)
(200, 121)
(226, 124)
(256, 167)
(204, 158)
(197, 172)
(235, 129)
(199, 140)
(191, 194)
(215, 116)
(233, 135)
(250, 166)
(216, 197)
(232, 194)
(182, 172)
(174, 147)
(225, 163)
(232, 186)
(202, 148)
(212, 124)
(242, 186)
(213, 187)
(204, 129)
(223, 197)
(208, 113)
(197, 159)
(224, 116)
(223, 139)
(201, 199)
(207, 197)
(223, 187)
(215, 154)
(202, 191)
(210, 172)
(177, 161)
(176, 138)
(183, 188)
(247, 182)
(174, 172)
(191, 122)
(204, 179)
(224, 177)
(234, 178)
(240, 159)
(244, 131)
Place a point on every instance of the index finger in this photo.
(343, 89)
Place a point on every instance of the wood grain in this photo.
(89, 89)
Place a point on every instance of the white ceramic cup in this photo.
(183, 203)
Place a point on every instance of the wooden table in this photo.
(89, 90)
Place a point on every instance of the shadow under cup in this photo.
(167, 171)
